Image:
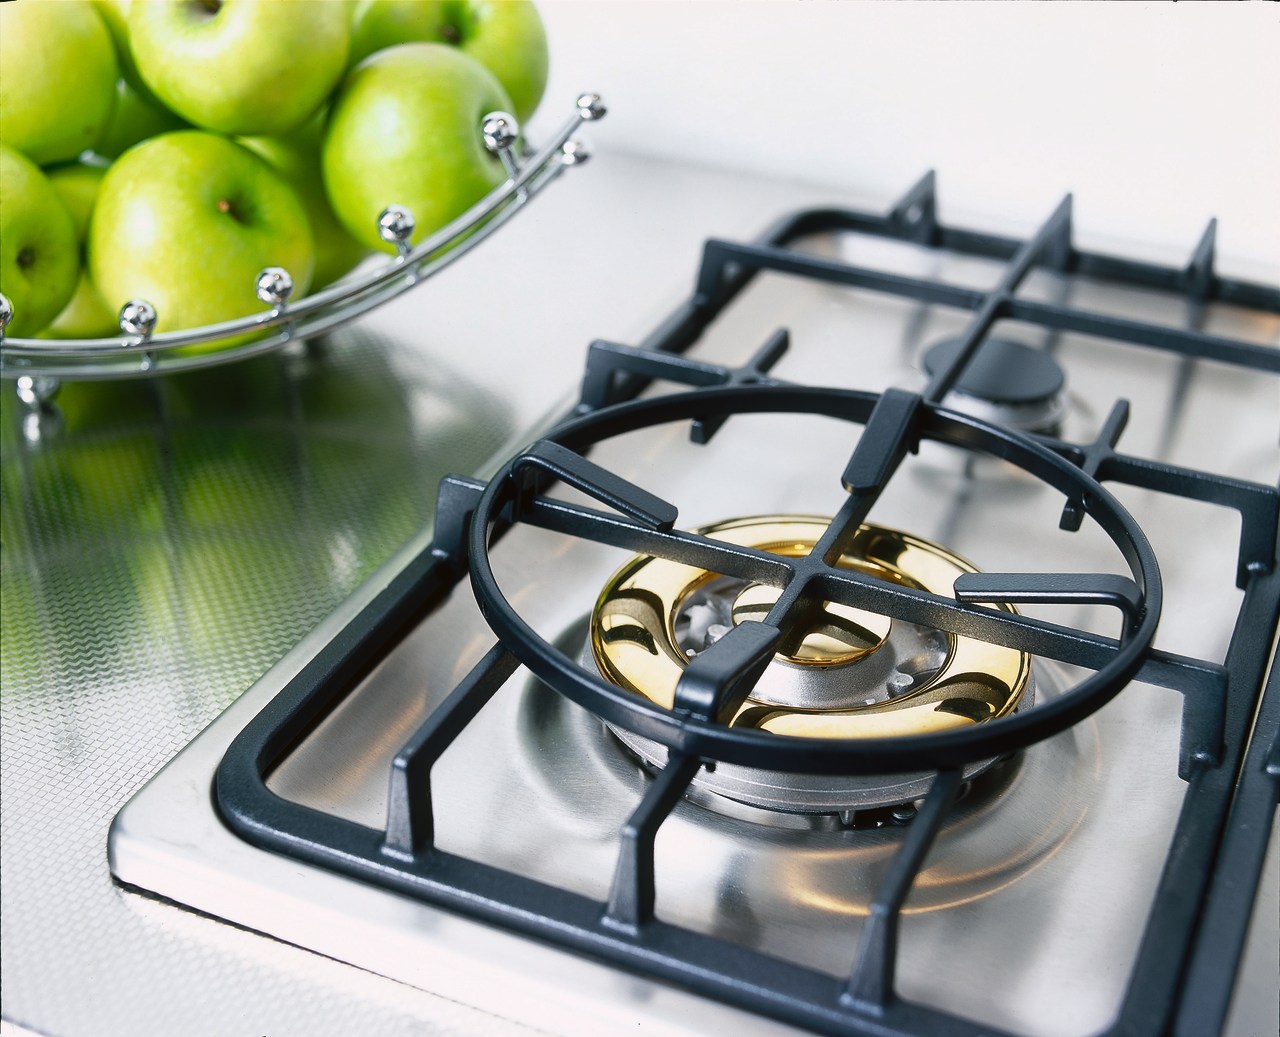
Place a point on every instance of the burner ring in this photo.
(826, 686)
(708, 740)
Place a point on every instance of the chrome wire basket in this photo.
(38, 365)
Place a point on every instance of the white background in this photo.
(1156, 115)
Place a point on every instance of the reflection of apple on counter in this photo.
(95, 463)
(228, 511)
(270, 486)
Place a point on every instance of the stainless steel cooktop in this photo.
(1044, 874)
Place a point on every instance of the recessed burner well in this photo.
(845, 673)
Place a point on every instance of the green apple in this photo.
(404, 129)
(77, 184)
(115, 15)
(296, 157)
(241, 66)
(87, 315)
(137, 116)
(186, 221)
(506, 37)
(57, 78)
(39, 260)
(138, 113)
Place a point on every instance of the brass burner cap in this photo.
(841, 635)
(852, 674)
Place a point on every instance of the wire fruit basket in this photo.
(38, 366)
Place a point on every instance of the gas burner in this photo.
(845, 674)
(1005, 382)
(715, 683)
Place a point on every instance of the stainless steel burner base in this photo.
(799, 793)
(802, 793)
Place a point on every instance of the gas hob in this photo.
(966, 597)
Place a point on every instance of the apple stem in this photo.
(26, 257)
(230, 208)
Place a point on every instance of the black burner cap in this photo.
(1001, 371)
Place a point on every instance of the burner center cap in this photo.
(843, 672)
(839, 634)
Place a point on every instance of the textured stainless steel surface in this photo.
(1047, 891)
(134, 611)
(161, 549)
